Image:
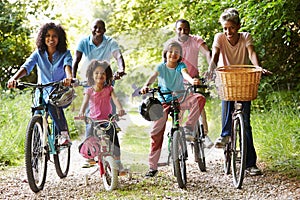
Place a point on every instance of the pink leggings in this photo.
(193, 102)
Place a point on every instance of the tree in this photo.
(15, 31)
(274, 25)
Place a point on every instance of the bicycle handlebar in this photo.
(89, 120)
(23, 85)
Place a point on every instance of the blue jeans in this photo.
(58, 116)
(227, 109)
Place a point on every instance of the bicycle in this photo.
(42, 140)
(235, 85)
(101, 148)
(176, 137)
(198, 144)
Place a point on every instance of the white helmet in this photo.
(62, 97)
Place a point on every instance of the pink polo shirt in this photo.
(99, 103)
(191, 49)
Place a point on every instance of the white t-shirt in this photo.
(233, 55)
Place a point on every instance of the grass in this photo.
(157, 188)
(15, 112)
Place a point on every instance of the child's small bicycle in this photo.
(99, 147)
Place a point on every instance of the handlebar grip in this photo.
(20, 86)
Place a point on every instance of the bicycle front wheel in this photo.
(36, 154)
(239, 149)
(199, 147)
(110, 176)
(62, 160)
(179, 155)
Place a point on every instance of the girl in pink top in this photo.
(98, 96)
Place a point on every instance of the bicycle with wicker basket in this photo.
(237, 83)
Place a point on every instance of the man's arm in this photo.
(206, 52)
(78, 56)
(213, 62)
(120, 61)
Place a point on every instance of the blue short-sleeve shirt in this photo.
(102, 52)
(46, 71)
(170, 79)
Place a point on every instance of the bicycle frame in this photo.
(43, 109)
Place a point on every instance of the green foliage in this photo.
(274, 26)
(15, 112)
(13, 127)
(15, 34)
(277, 138)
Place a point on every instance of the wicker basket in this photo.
(238, 82)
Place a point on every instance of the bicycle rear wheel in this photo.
(239, 149)
(179, 156)
(110, 176)
(36, 154)
(199, 147)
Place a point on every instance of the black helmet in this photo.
(151, 109)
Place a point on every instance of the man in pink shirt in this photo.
(191, 46)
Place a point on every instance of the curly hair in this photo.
(171, 43)
(62, 38)
(91, 68)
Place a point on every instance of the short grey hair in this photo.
(230, 14)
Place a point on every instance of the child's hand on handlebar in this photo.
(121, 112)
(196, 81)
(144, 90)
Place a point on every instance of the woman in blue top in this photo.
(170, 75)
(53, 62)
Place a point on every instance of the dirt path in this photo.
(212, 184)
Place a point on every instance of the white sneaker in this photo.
(64, 139)
(207, 142)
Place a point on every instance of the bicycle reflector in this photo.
(151, 109)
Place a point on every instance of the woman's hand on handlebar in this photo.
(11, 83)
(266, 72)
(67, 81)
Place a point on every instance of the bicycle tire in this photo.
(179, 158)
(110, 176)
(199, 147)
(35, 155)
(239, 150)
(227, 158)
(62, 160)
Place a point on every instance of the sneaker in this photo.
(221, 141)
(122, 170)
(188, 134)
(253, 171)
(151, 173)
(89, 163)
(207, 142)
(64, 139)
